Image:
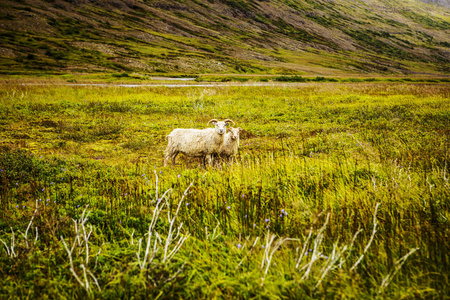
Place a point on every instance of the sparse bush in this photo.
(290, 79)
(121, 75)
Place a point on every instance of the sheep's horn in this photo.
(229, 120)
(212, 120)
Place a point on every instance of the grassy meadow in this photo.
(339, 190)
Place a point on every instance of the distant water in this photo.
(174, 78)
(171, 85)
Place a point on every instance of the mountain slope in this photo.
(223, 36)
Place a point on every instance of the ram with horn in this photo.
(202, 143)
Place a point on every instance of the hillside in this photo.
(321, 37)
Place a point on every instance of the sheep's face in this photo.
(221, 127)
(234, 132)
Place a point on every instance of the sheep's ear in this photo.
(240, 129)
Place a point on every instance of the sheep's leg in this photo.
(166, 159)
(202, 161)
(208, 158)
(217, 160)
(225, 159)
(170, 156)
(168, 152)
(173, 158)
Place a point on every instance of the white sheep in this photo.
(196, 142)
(230, 145)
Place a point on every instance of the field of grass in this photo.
(339, 190)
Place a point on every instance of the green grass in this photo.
(347, 169)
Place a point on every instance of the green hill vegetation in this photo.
(319, 37)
